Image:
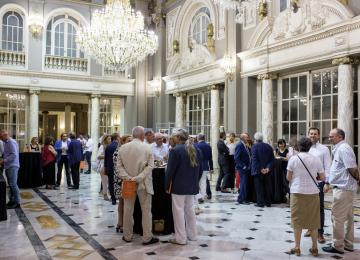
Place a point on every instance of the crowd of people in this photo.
(128, 160)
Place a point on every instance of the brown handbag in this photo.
(129, 189)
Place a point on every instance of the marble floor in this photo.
(78, 224)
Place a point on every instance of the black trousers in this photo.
(322, 211)
(208, 188)
(88, 160)
(75, 174)
(232, 172)
(263, 189)
(224, 178)
(63, 161)
(110, 175)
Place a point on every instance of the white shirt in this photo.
(291, 152)
(231, 147)
(64, 147)
(301, 181)
(159, 152)
(1, 148)
(344, 158)
(322, 152)
(89, 145)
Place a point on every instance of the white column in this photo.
(34, 114)
(180, 110)
(67, 117)
(267, 108)
(345, 97)
(215, 122)
(95, 109)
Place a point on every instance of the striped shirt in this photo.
(344, 159)
(322, 152)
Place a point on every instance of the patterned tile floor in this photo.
(68, 224)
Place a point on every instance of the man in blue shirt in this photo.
(11, 165)
(109, 163)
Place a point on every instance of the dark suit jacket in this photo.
(207, 161)
(109, 153)
(242, 157)
(75, 151)
(180, 175)
(223, 153)
(262, 156)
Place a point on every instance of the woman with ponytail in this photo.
(182, 181)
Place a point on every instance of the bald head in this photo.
(244, 137)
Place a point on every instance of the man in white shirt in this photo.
(89, 145)
(149, 136)
(344, 178)
(159, 150)
(322, 152)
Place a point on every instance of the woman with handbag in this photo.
(302, 172)
(48, 163)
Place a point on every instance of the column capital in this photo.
(267, 76)
(179, 94)
(95, 95)
(350, 60)
(45, 112)
(34, 91)
(215, 87)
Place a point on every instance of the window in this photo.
(199, 25)
(199, 113)
(284, 5)
(12, 32)
(12, 115)
(294, 107)
(109, 115)
(60, 37)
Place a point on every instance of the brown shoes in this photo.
(321, 239)
(314, 251)
(295, 251)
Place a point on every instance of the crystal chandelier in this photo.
(116, 37)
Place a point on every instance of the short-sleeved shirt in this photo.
(159, 152)
(301, 181)
(344, 158)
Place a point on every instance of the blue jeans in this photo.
(11, 176)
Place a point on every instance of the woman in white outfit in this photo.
(100, 162)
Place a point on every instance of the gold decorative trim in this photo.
(267, 76)
(346, 60)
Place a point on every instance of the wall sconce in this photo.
(155, 85)
(228, 64)
(263, 9)
(176, 46)
(116, 120)
(210, 40)
(35, 27)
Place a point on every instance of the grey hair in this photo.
(138, 131)
(189, 145)
(258, 136)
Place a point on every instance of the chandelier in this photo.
(239, 6)
(116, 36)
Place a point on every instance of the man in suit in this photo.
(109, 163)
(61, 146)
(135, 162)
(243, 165)
(223, 181)
(207, 165)
(262, 161)
(75, 152)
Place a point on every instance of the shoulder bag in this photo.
(309, 172)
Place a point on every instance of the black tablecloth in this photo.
(3, 215)
(279, 183)
(161, 205)
(30, 172)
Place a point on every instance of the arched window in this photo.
(12, 32)
(198, 29)
(60, 37)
